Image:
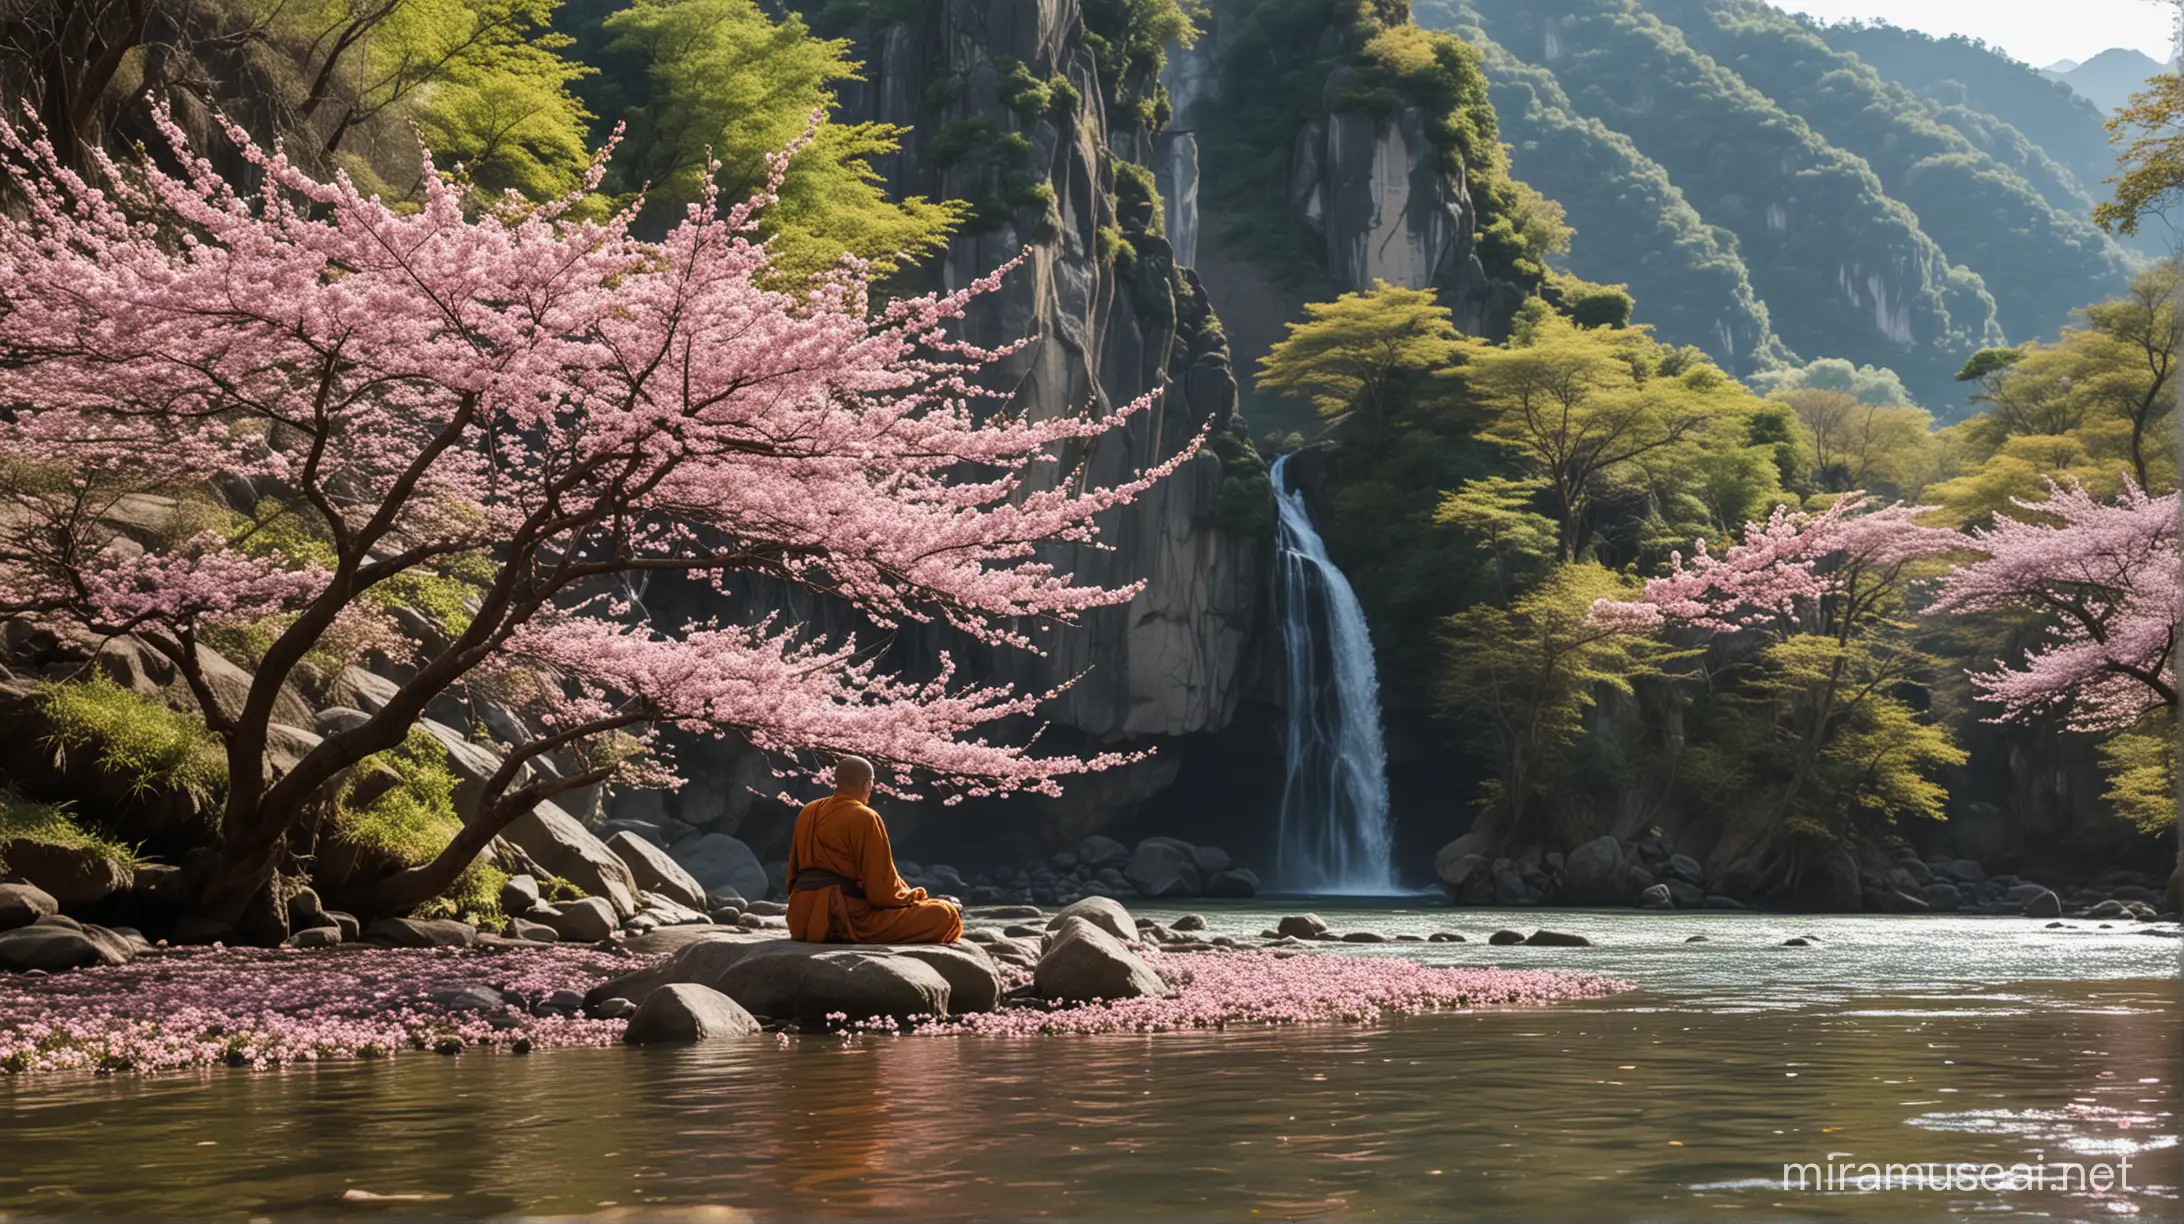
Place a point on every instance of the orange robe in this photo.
(840, 835)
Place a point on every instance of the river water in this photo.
(1902, 1040)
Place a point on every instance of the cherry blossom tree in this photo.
(539, 403)
(2104, 575)
(1820, 593)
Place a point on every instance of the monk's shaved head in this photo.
(852, 773)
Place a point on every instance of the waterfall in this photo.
(1334, 820)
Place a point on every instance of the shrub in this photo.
(156, 748)
(49, 824)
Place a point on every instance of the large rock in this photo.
(1095, 852)
(686, 1012)
(563, 846)
(1085, 963)
(1163, 867)
(655, 871)
(588, 920)
(813, 983)
(72, 875)
(1235, 882)
(974, 984)
(1828, 884)
(2044, 904)
(1454, 862)
(53, 947)
(719, 862)
(1594, 874)
(1302, 926)
(23, 904)
(422, 932)
(1211, 860)
(1105, 913)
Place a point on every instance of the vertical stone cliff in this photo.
(1008, 109)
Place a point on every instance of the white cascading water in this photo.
(1334, 820)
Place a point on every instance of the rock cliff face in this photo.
(1115, 314)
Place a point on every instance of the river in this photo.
(1900, 1040)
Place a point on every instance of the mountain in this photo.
(2109, 79)
(2039, 261)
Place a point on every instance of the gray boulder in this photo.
(1163, 867)
(534, 932)
(314, 937)
(1967, 871)
(1557, 939)
(422, 932)
(1236, 882)
(52, 947)
(721, 865)
(1302, 926)
(687, 1012)
(1684, 867)
(519, 895)
(810, 983)
(1086, 963)
(584, 921)
(655, 871)
(974, 984)
(561, 844)
(1941, 896)
(1657, 897)
(1096, 852)
(2044, 904)
(23, 904)
(1211, 860)
(1105, 913)
(1593, 874)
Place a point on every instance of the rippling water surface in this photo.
(1897, 1040)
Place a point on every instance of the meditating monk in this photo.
(842, 882)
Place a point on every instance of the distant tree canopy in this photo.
(1869, 384)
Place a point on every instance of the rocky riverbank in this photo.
(1650, 874)
(1092, 968)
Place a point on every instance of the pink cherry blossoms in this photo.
(1796, 572)
(550, 407)
(2105, 577)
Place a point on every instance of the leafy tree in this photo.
(1522, 679)
(2151, 131)
(560, 403)
(1814, 719)
(1857, 445)
(1348, 355)
(1867, 384)
(1497, 512)
(713, 87)
(1584, 409)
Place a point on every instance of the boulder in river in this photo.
(1445, 937)
(687, 1012)
(812, 983)
(1302, 926)
(1557, 939)
(1096, 852)
(1211, 860)
(1235, 883)
(655, 872)
(1364, 937)
(1941, 896)
(22, 904)
(2044, 904)
(1657, 897)
(1105, 913)
(1085, 963)
(1504, 938)
(974, 984)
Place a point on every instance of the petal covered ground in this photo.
(248, 1007)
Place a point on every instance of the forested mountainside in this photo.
(1890, 220)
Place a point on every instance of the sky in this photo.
(2038, 32)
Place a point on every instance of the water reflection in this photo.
(1673, 1102)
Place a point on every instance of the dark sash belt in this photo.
(811, 879)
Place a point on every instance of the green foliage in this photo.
(1128, 40)
(1885, 451)
(50, 824)
(1585, 303)
(130, 736)
(718, 80)
(1245, 504)
(2152, 162)
(413, 820)
(992, 155)
(1867, 384)
(1031, 98)
(1520, 680)
(2035, 259)
(2141, 768)
(1844, 268)
(1348, 355)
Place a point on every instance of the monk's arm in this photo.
(882, 886)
